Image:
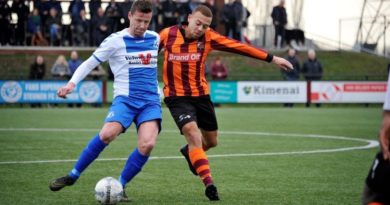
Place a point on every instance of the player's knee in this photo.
(146, 147)
(190, 131)
(107, 136)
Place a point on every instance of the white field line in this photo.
(370, 144)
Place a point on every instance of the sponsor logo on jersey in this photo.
(184, 57)
(143, 58)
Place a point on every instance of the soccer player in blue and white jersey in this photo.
(132, 55)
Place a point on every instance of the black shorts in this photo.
(378, 179)
(185, 109)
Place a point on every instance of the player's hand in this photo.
(63, 91)
(384, 135)
(282, 63)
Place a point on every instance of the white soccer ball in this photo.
(108, 191)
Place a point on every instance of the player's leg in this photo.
(184, 113)
(199, 158)
(209, 139)
(108, 133)
(147, 136)
(377, 186)
(118, 119)
(148, 123)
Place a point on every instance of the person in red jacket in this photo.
(218, 70)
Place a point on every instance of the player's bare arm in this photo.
(384, 135)
(282, 63)
(67, 89)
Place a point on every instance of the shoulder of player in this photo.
(115, 36)
(166, 31)
(152, 34)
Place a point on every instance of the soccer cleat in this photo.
(184, 152)
(125, 198)
(212, 193)
(59, 183)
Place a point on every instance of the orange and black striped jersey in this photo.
(184, 59)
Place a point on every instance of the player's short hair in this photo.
(204, 10)
(144, 6)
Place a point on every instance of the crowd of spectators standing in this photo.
(41, 22)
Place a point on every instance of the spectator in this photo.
(45, 7)
(114, 14)
(60, 69)
(80, 28)
(53, 27)
(125, 8)
(37, 69)
(213, 8)
(169, 13)
(97, 73)
(101, 27)
(34, 27)
(155, 24)
(74, 62)
(312, 69)
(94, 5)
(239, 19)
(279, 19)
(21, 9)
(218, 70)
(5, 20)
(291, 75)
(292, 58)
(37, 72)
(185, 9)
(227, 19)
(74, 9)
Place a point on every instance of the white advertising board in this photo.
(348, 92)
(271, 92)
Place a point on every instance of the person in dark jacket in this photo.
(37, 72)
(279, 19)
(37, 69)
(292, 58)
(291, 75)
(312, 69)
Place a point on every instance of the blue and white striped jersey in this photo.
(133, 61)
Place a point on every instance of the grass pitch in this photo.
(265, 156)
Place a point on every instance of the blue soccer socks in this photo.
(88, 155)
(133, 166)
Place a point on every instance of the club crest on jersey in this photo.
(200, 45)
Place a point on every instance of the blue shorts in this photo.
(125, 110)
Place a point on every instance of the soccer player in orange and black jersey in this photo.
(186, 89)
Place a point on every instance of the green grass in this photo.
(337, 65)
(320, 178)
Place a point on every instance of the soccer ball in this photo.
(108, 191)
